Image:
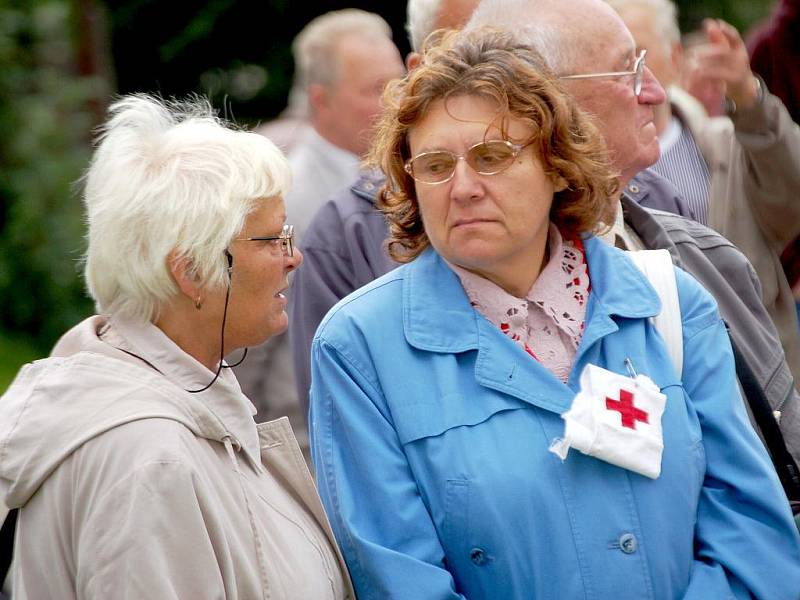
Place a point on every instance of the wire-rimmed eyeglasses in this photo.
(637, 72)
(485, 158)
(285, 239)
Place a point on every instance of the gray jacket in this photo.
(344, 249)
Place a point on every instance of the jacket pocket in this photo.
(414, 421)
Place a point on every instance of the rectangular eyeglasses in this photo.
(285, 239)
(637, 73)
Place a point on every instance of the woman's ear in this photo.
(180, 268)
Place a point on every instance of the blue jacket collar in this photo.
(437, 315)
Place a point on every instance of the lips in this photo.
(471, 221)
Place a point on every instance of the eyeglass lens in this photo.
(638, 76)
(486, 158)
(287, 240)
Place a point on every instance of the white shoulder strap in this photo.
(657, 267)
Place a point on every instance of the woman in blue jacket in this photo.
(439, 388)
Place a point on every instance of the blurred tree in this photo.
(740, 13)
(238, 53)
(54, 86)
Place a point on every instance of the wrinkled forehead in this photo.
(603, 42)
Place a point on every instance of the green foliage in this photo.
(45, 123)
(741, 14)
(14, 352)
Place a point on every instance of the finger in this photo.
(731, 34)
(714, 33)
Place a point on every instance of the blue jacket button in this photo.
(478, 557)
(628, 543)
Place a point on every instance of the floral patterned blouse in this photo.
(548, 323)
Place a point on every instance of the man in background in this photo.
(343, 61)
(740, 173)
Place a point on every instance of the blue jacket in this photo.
(430, 432)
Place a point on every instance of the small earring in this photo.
(198, 303)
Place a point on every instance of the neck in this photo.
(517, 279)
(332, 135)
(662, 115)
(192, 333)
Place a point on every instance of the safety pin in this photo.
(629, 366)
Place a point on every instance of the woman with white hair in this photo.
(131, 453)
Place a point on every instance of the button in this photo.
(633, 188)
(628, 543)
(369, 186)
(478, 557)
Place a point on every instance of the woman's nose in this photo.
(466, 183)
(294, 261)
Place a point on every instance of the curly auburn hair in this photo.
(492, 63)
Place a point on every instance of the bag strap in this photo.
(657, 266)
(785, 465)
(661, 275)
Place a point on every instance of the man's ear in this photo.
(180, 268)
(317, 97)
(412, 60)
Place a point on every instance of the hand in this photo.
(723, 62)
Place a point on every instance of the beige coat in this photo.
(754, 201)
(131, 487)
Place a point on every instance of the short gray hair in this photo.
(314, 48)
(169, 177)
(545, 30)
(663, 12)
(421, 21)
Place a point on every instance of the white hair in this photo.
(550, 26)
(541, 23)
(314, 48)
(663, 12)
(421, 18)
(169, 177)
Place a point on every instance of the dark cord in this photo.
(221, 344)
(229, 256)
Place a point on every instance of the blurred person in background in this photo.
(438, 389)
(131, 453)
(343, 60)
(344, 245)
(774, 48)
(741, 173)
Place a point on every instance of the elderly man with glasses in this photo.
(740, 173)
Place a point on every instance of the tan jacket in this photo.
(131, 487)
(754, 201)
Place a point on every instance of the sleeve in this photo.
(746, 543)
(770, 144)
(391, 548)
(151, 537)
(323, 279)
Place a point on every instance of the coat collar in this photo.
(437, 317)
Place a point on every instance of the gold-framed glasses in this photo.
(637, 73)
(285, 240)
(486, 158)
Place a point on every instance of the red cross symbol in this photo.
(629, 413)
